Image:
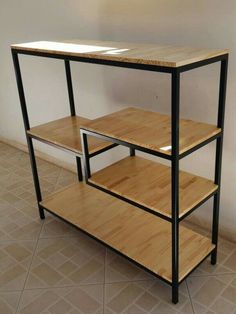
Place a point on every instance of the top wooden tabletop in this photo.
(161, 55)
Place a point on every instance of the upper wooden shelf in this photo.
(151, 130)
(161, 55)
(142, 237)
(148, 183)
(65, 133)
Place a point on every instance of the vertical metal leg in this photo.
(175, 86)
(84, 141)
(35, 176)
(218, 160)
(72, 111)
(132, 152)
(27, 127)
(70, 87)
(79, 169)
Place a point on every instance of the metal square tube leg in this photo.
(218, 160)
(79, 169)
(86, 159)
(72, 111)
(27, 127)
(70, 87)
(132, 152)
(175, 88)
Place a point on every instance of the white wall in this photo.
(99, 90)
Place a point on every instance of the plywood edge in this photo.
(217, 53)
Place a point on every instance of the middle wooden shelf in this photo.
(148, 183)
(152, 130)
(65, 134)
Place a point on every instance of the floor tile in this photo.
(67, 261)
(15, 259)
(143, 297)
(67, 258)
(9, 302)
(54, 227)
(226, 261)
(19, 224)
(216, 294)
(81, 300)
(120, 269)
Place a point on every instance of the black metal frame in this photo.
(30, 137)
(174, 157)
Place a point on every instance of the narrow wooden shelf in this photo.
(149, 183)
(142, 237)
(151, 130)
(65, 133)
(139, 53)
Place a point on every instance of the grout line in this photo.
(10, 291)
(27, 275)
(73, 286)
(190, 298)
(58, 237)
(104, 283)
(215, 274)
(18, 240)
(63, 287)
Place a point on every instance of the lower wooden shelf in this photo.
(144, 238)
(148, 183)
(65, 133)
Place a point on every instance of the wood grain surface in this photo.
(65, 133)
(141, 236)
(151, 129)
(139, 53)
(149, 183)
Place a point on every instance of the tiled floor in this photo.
(49, 267)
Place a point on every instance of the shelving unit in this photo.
(144, 202)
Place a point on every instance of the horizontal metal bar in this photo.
(200, 145)
(130, 65)
(123, 143)
(102, 150)
(55, 145)
(202, 63)
(129, 201)
(198, 205)
(110, 247)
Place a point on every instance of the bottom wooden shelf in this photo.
(137, 234)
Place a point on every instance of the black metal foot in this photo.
(41, 213)
(175, 295)
(79, 169)
(132, 152)
(214, 257)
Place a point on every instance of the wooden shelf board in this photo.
(151, 54)
(149, 183)
(151, 130)
(142, 237)
(65, 133)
